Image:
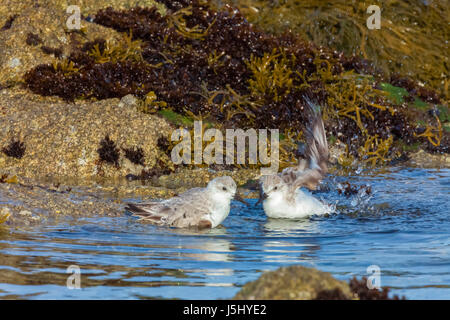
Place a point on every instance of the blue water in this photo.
(403, 227)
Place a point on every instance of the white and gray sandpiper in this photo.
(282, 194)
(198, 207)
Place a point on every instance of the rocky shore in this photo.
(66, 154)
(50, 157)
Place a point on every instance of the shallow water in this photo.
(403, 227)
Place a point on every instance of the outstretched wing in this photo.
(308, 173)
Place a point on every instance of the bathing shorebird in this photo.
(281, 193)
(199, 207)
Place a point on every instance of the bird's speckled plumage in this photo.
(199, 207)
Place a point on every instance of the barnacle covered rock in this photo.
(64, 139)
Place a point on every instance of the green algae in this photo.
(176, 118)
(395, 93)
(418, 103)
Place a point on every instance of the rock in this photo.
(25, 213)
(62, 138)
(14, 62)
(291, 283)
(5, 213)
(336, 151)
(128, 101)
(427, 160)
(47, 20)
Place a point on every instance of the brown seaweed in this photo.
(198, 61)
(9, 22)
(57, 52)
(360, 290)
(15, 149)
(108, 152)
(33, 39)
(135, 155)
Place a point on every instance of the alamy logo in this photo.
(74, 20)
(213, 152)
(374, 21)
(374, 280)
(74, 280)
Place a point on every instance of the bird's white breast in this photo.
(220, 210)
(305, 205)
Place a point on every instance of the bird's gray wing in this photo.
(308, 173)
(309, 178)
(185, 210)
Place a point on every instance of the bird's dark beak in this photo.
(239, 198)
(262, 196)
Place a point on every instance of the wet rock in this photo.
(25, 213)
(292, 283)
(336, 150)
(428, 160)
(62, 139)
(46, 20)
(30, 202)
(128, 101)
(5, 213)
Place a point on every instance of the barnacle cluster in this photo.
(197, 61)
(57, 52)
(109, 153)
(9, 22)
(33, 39)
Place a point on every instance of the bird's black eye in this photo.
(224, 189)
(275, 188)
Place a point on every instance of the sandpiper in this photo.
(199, 207)
(281, 193)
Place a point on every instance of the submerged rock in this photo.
(292, 283)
